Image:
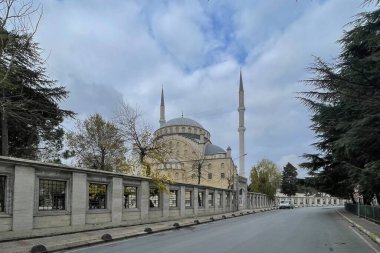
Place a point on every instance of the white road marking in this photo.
(366, 242)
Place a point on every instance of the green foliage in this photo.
(98, 144)
(265, 178)
(289, 180)
(345, 106)
(160, 181)
(29, 100)
(306, 186)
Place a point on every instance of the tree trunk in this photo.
(102, 159)
(148, 170)
(352, 198)
(4, 130)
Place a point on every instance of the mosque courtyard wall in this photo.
(38, 198)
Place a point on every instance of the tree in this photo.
(140, 136)
(98, 144)
(30, 114)
(198, 166)
(289, 180)
(231, 175)
(345, 102)
(306, 186)
(265, 178)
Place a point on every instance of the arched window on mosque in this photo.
(209, 167)
(176, 175)
(183, 129)
(176, 129)
(222, 165)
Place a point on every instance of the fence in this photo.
(37, 197)
(371, 213)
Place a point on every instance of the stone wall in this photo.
(30, 204)
(310, 201)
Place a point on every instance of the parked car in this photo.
(285, 204)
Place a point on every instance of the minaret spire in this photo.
(241, 83)
(241, 128)
(162, 108)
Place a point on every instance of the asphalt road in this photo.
(304, 230)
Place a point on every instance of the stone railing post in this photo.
(117, 199)
(206, 201)
(144, 200)
(165, 203)
(78, 199)
(182, 204)
(195, 201)
(23, 198)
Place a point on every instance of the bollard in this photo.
(148, 230)
(38, 249)
(106, 237)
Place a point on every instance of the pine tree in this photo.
(289, 180)
(29, 100)
(345, 102)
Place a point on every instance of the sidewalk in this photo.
(369, 228)
(86, 238)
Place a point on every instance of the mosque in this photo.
(193, 158)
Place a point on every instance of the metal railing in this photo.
(371, 213)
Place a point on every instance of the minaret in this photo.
(241, 128)
(162, 109)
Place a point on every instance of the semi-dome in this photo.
(212, 149)
(182, 122)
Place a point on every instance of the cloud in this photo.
(128, 49)
(178, 33)
(295, 160)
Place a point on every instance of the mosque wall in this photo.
(47, 198)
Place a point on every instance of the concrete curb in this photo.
(370, 234)
(92, 242)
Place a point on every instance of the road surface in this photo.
(303, 230)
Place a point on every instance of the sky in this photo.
(106, 52)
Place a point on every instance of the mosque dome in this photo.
(212, 149)
(182, 122)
